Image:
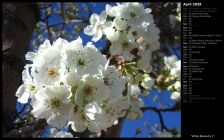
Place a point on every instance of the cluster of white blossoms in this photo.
(133, 37)
(54, 133)
(174, 66)
(131, 30)
(69, 83)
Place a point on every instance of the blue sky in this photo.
(172, 119)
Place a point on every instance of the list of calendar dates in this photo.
(198, 39)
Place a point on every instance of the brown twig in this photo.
(159, 112)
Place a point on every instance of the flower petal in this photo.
(120, 24)
(94, 18)
(89, 30)
(97, 35)
(103, 16)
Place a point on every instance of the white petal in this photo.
(148, 10)
(44, 46)
(94, 127)
(148, 82)
(20, 91)
(22, 95)
(108, 24)
(40, 110)
(60, 43)
(24, 98)
(77, 44)
(177, 85)
(94, 18)
(115, 49)
(91, 109)
(97, 36)
(103, 16)
(108, 10)
(89, 30)
(134, 90)
(120, 24)
(90, 45)
(175, 96)
(72, 79)
(79, 97)
(56, 120)
(30, 56)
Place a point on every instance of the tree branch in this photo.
(27, 131)
(159, 112)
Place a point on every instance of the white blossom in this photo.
(135, 102)
(28, 88)
(97, 25)
(148, 82)
(170, 61)
(54, 133)
(114, 80)
(83, 60)
(123, 47)
(144, 61)
(91, 88)
(114, 109)
(177, 85)
(80, 121)
(52, 103)
(47, 68)
(175, 96)
(110, 31)
(59, 43)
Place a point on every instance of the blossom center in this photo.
(98, 26)
(125, 45)
(140, 40)
(132, 14)
(31, 87)
(55, 103)
(88, 90)
(135, 33)
(107, 81)
(81, 62)
(147, 46)
(52, 72)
